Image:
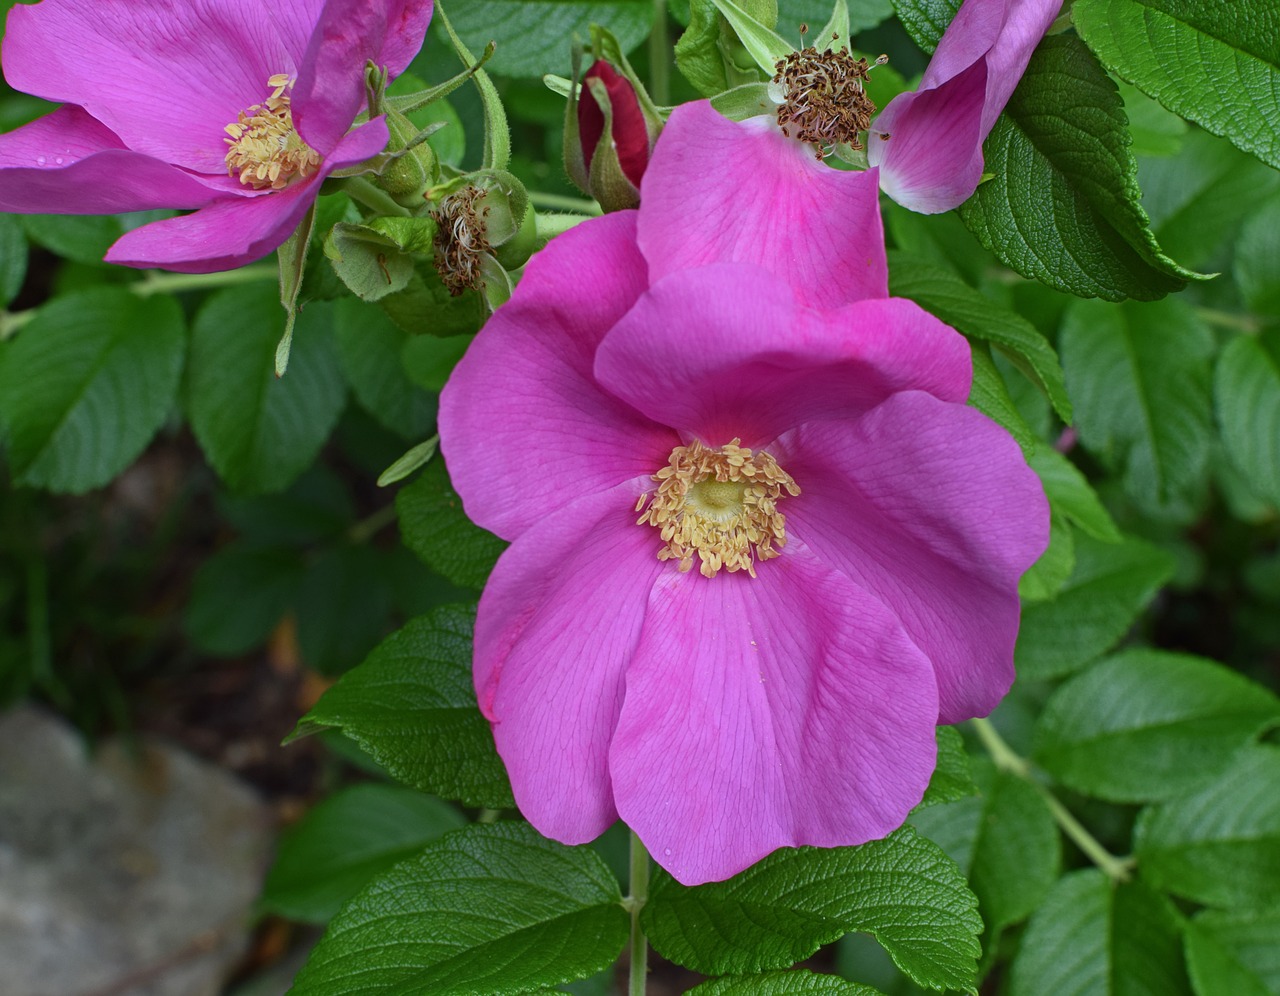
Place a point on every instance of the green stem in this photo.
(1006, 759)
(635, 903)
(366, 529)
(157, 282)
(559, 202)
(659, 56)
(374, 198)
(551, 225)
(488, 816)
(1229, 320)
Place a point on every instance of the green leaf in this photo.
(697, 52)
(1111, 584)
(533, 35)
(1045, 578)
(1246, 390)
(781, 984)
(1063, 204)
(1004, 840)
(410, 461)
(951, 777)
(1256, 252)
(926, 20)
(1146, 725)
(412, 707)
(1234, 953)
(1213, 62)
(343, 606)
(13, 258)
(81, 238)
(1219, 845)
(1071, 496)
(370, 347)
(765, 46)
(433, 525)
(491, 909)
(258, 431)
(343, 842)
(1198, 199)
(1090, 938)
(989, 393)
(977, 316)
(862, 14)
(1140, 378)
(1155, 132)
(239, 595)
(85, 385)
(902, 889)
(428, 360)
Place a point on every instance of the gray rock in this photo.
(121, 874)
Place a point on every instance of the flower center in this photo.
(720, 505)
(266, 150)
(825, 102)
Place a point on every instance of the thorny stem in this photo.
(659, 52)
(1116, 869)
(634, 903)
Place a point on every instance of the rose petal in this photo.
(548, 669)
(68, 163)
(523, 425)
(330, 90)
(928, 144)
(932, 159)
(931, 507)
(771, 712)
(724, 351)
(818, 228)
(238, 230)
(165, 78)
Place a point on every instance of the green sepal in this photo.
(375, 259)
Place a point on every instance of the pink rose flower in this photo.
(760, 546)
(238, 108)
(928, 143)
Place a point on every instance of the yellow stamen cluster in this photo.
(826, 103)
(266, 150)
(461, 239)
(720, 505)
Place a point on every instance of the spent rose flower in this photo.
(238, 108)
(760, 546)
(928, 143)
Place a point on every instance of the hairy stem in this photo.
(1006, 759)
(373, 197)
(559, 202)
(635, 903)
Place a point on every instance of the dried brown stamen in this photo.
(826, 102)
(461, 239)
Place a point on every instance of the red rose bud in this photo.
(630, 131)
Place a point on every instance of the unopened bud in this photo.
(609, 136)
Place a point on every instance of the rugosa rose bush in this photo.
(928, 143)
(760, 545)
(238, 108)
